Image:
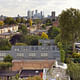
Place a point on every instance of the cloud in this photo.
(14, 7)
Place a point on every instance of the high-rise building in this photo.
(32, 14)
(36, 15)
(36, 12)
(29, 14)
(53, 14)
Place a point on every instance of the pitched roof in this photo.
(28, 73)
(8, 73)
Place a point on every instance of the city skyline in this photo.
(15, 7)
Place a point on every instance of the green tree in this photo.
(5, 44)
(9, 21)
(5, 65)
(62, 52)
(18, 20)
(53, 32)
(31, 39)
(18, 38)
(8, 58)
(48, 22)
(70, 25)
(62, 55)
(23, 29)
(74, 71)
(23, 20)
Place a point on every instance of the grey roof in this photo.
(8, 73)
(30, 73)
(33, 52)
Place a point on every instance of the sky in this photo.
(15, 7)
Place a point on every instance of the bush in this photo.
(8, 58)
(5, 65)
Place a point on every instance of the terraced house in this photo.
(33, 57)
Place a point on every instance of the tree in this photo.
(18, 20)
(5, 44)
(44, 35)
(23, 29)
(62, 52)
(10, 21)
(5, 65)
(8, 58)
(23, 20)
(53, 32)
(43, 26)
(1, 23)
(18, 38)
(48, 22)
(74, 71)
(70, 26)
(30, 21)
(31, 39)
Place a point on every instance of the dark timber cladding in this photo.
(48, 50)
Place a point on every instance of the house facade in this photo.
(33, 57)
(7, 29)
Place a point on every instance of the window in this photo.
(42, 48)
(32, 48)
(16, 49)
(25, 49)
(36, 48)
(2, 54)
(20, 54)
(32, 54)
(44, 54)
(53, 48)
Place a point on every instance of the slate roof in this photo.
(8, 73)
(30, 73)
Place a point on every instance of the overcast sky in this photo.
(14, 7)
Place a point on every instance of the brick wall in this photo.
(30, 64)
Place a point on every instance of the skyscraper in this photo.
(53, 14)
(29, 14)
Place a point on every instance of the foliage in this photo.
(18, 20)
(43, 26)
(34, 78)
(62, 52)
(62, 55)
(53, 32)
(74, 71)
(18, 38)
(9, 21)
(58, 38)
(5, 44)
(23, 29)
(5, 65)
(44, 35)
(30, 21)
(48, 22)
(8, 58)
(23, 20)
(59, 45)
(31, 39)
(20, 44)
(1, 23)
(70, 25)
(17, 77)
(25, 39)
